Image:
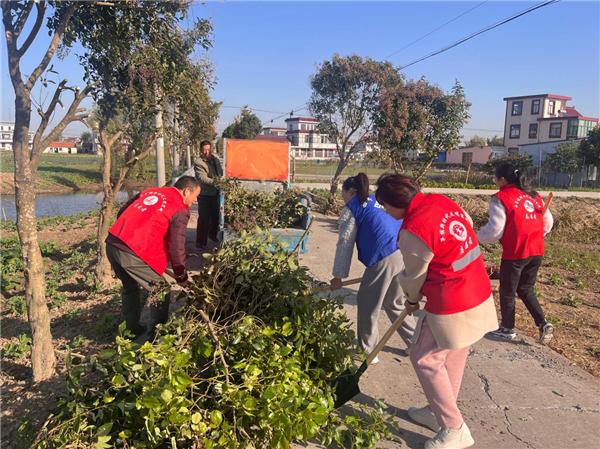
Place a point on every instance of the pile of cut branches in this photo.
(246, 364)
(246, 209)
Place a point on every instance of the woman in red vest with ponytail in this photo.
(443, 263)
(516, 218)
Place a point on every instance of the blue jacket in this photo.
(377, 231)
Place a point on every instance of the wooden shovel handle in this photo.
(170, 274)
(328, 288)
(393, 328)
(548, 202)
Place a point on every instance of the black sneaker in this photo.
(505, 333)
(546, 333)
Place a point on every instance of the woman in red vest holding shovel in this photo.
(443, 263)
(516, 218)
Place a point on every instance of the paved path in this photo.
(595, 195)
(515, 395)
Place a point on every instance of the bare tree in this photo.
(14, 17)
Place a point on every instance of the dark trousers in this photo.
(136, 275)
(517, 277)
(208, 220)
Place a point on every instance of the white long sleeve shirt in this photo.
(494, 228)
(347, 230)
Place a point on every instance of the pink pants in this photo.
(440, 372)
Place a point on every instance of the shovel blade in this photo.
(346, 387)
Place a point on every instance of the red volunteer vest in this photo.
(456, 278)
(144, 224)
(524, 231)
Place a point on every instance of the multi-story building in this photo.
(273, 131)
(542, 118)
(6, 136)
(306, 140)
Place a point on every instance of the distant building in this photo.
(62, 147)
(6, 136)
(306, 140)
(273, 131)
(543, 118)
(474, 155)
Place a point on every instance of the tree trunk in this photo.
(103, 269)
(570, 181)
(336, 177)
(43, 360)
(423, 169)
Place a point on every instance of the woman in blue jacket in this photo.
(365, 223)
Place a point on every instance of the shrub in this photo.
(18, 349)
(247, 364)
(246, 209)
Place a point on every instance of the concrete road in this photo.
(595, 195)
(515, 395)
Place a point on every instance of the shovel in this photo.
(346, 384)
(548, 202)
(327, 288)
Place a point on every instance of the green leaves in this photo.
(261, 369)
(246, 209)
(216, 418)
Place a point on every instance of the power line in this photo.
(296, 109)
(435, 29)
(254, 109)
(488, 28)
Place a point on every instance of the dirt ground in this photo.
(515, 395)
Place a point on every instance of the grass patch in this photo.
(571, 300)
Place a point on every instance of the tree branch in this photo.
(131, 163)
(14, 60)
(45, 116)
(69, 117)
(41, 12)
(58, 34)
(22, 19)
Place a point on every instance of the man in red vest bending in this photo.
(148, 234)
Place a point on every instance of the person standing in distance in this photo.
(207, 168)
(148, 234)
(517, 220)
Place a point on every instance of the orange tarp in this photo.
(258, 160)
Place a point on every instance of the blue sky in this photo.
(264, 53)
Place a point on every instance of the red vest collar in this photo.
(414, 203)
(508, 186)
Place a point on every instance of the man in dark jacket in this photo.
(148, 234)
(207, 168)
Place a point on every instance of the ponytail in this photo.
(360, 183)
(515, 176)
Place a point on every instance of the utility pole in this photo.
(160, 144)
(175, 142)
(188, 156)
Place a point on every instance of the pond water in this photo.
(49, 205)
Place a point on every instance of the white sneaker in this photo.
(424, 416)
(451, 439)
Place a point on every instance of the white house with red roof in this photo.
(62, 147)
